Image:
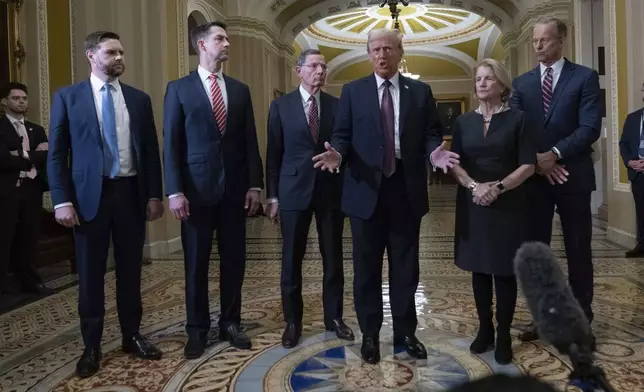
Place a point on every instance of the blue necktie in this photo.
(111, 153)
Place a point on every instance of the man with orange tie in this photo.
(23, 154)
(213, 177)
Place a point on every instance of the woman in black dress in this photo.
(497, 154)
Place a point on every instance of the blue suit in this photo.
(571, 126)
(302, 190)
(106, 207)
(214, 171)
(385, 212)
(629, 145)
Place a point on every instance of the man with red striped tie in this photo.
(213, 177)
(561, 99)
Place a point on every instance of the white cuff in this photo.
(57, 206)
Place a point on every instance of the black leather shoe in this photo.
(503, 350)
(140, 347)
(370, 350)
(638, 251)
(38, 288)
(341, 330)
(530, 334)
(484, 341)
(413, 346)
(291, 335)
(237, 338)
(89, 363)
(194, 348)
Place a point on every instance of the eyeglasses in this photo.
(315, 66)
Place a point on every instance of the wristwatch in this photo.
(500, 186)
(472, 186)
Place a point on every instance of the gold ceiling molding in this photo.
(480, 25)
(330, 53)
(470, 48)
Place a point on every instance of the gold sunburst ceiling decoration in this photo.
(417, 22)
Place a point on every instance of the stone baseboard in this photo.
(602, 212)
(162, 248)
(621, 237)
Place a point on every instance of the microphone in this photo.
(557, 314)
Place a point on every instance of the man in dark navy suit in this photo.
(561, 99)
(213, 177)
(23, 155)
(631, 147)
(105, 179)
(299, 124)
(386, 128)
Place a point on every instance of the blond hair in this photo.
(502, 76)
(378, 33)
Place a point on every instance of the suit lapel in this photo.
(130, 102)
(566, 72)
(7, 128)
(372, 91)
(91, 118)
(205, 100)
(300, 116)
(404, 102)
(326, 120)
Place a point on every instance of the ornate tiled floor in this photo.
(40, 343)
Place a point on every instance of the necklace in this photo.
(487, 119)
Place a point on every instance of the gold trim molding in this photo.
(17, 53)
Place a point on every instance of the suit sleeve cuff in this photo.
(57, 206)
(255, 189)
(154, 199)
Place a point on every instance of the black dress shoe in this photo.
(291, 335)
(503, 350)
(89, 363)
(413, 346)
(370, 350)
(38, 288)
(484, 341)
(635, 252)
(530, 334)
(194, 348)
(140, 347)
(341, 330)
(235, 336)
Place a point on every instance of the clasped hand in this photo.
(637, 165)
(486, 193)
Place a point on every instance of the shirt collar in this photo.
(15, 120)
(204, 74)
(557, 66)
(305, 94)
(395, 80)
(97, 84)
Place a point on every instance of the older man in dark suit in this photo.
(561, 99)
(299, 124)
(631, 147)
(386, 128)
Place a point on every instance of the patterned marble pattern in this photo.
(40, 343)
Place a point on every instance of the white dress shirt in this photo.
(557, 67)
(394, 90)
(21, 130)
(641, 130)
(204, 75)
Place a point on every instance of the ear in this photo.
(89, 54)
(202, 45)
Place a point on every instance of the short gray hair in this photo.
(301, 59)
(377, 33)
(562, 29)
(502, 76)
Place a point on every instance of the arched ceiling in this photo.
(440, 41)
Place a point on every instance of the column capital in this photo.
(251, 27)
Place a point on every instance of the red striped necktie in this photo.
(218, 106)
(546, 91)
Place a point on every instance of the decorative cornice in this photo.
(250, 27)
(556, 8)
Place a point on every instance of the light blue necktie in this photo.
(111, 165)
